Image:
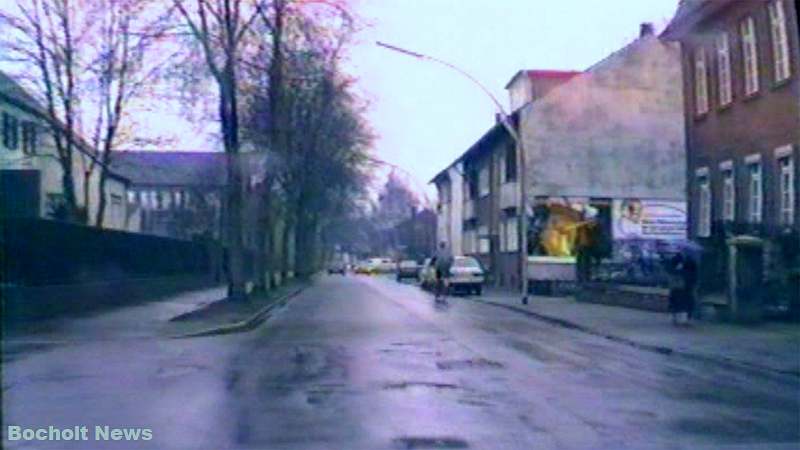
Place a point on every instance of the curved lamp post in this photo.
(509, 126)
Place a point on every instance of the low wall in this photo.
(24, 303)
(36, 252)
(637, 297)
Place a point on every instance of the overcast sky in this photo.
(427, 115)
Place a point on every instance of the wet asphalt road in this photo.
(366, 363)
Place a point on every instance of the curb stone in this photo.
(247, 324)
(723, 361)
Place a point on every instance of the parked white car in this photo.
(383, 265)
(427, 274)
(466, 273)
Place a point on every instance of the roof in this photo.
(544, 74)
(171, 168)
(15, 94)
(689, 13)
(12, 92)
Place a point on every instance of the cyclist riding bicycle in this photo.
(442, 263)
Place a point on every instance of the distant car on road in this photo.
(363, 268)
(407, 268)
(337, 267)
(466, 274)
(382, 265)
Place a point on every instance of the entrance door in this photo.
(19, 193)
(749, 281)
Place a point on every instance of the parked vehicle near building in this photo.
(383, 265)
(363, 268)
(427, 274)
(466, 274)
(407, 268)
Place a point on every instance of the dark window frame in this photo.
(511, 163)
(10, 131)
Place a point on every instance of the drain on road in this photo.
(479, 363)
(411, 384)
(411, 442)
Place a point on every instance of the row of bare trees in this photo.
(275, 66)
(86, 61)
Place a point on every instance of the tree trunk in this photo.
(101, 198)
(285, 243)
(236, 269)
(70, 203)
(261, 264)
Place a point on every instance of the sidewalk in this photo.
(143, 320)
(768, 346)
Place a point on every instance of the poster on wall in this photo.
(649, 219)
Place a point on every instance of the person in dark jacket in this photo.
(683, 274)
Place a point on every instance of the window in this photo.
(483, 180)
(10, 131)
(749, 55)
(470, 238)
(483, 239)
(445, 193)
(704, 206)
(502, 236)
(471, 185)
(511, 163)
(724, 69)
(786, 170)
(780, 40)
(28, 138)
(700, 82)
(512, 236)
(159, 199)
(728, 194)
(754, 192)
(501, 168)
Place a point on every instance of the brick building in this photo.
(742, 113)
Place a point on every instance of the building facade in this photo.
(450, 207)
(609, 144)
(177, 194)
(598, 143)
(32, 174)
(742, 108)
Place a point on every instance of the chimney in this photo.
(645, 29)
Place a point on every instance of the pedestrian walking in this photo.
(682, 286)
(442, 263)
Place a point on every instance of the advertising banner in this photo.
(649, 219)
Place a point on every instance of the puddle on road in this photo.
(411, 442)
(478, 363)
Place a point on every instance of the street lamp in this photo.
(506, 121)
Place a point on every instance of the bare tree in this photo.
(126, 30)
(48, 35)
(220, 27)
(88, 57)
